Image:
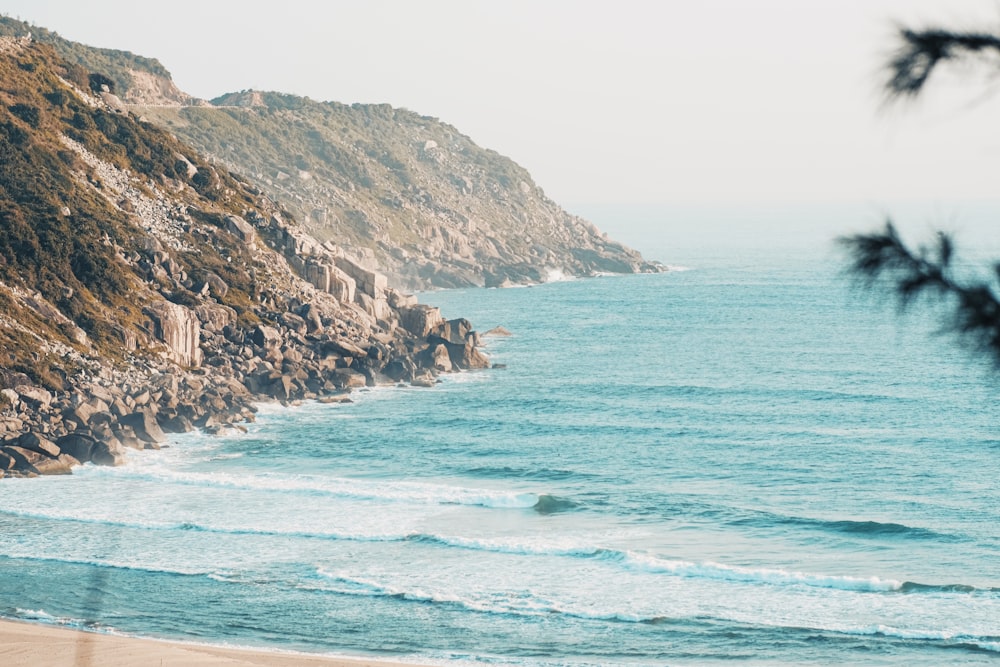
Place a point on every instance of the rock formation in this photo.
(146, 291)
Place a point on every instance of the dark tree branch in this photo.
(882, 256)
(921, 51)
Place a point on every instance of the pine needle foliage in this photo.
(882, 260)
(921, 51)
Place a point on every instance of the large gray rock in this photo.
(439, 358)
(310, 313)
(499, 332)
(7, 461)
(24, 459)
(240, 228)
(468, 356)
(39, 444)
(294, 322)
(145, 426)
(400, 369)
(178, 328)
(420, 319)
(453, 331)
(9, 398)
(344, 348)
(369, 282)
(21, 459)
(177, 424)
(347, 378)
(35, 397)
(215, 285)
(266, 337)
(108, 454)
(77, 445)
(81, 414)
(60, 465)
(214, 314)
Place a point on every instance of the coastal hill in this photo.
(144, 288)
(408, 194)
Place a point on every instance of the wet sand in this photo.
(37, 645)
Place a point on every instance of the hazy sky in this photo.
(694, 101)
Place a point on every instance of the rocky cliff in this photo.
(145, 289)
(419, 199)
(407, 194)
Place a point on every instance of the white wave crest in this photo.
(718, 571)
(41, 616)
(554, 275)
(361, 489)
(986, 644)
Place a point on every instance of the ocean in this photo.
(742, 462)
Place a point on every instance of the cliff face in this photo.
(144, 289)
(131, 78)
(407, 194)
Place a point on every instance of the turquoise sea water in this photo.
(743, 462)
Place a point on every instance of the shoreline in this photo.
(32, 644)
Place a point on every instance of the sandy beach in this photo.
(35, 645)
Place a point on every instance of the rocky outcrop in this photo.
(420, 319)
(178, 329)
(425, 204)
(164, 294)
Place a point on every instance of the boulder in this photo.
(7, 461)
(377, 307)
(9, 397)
(294, 322)
(145, 426)
(369, 282)
(11, 425)
(100, 418)
(281, 388)
(310, 314)
(24, 459)
(399, 300)
(215, 285)
(468, 356)
(81, 414)
(61, 465)
(177, 424)
(349, 379)
(240, 227)
(453, 331)
(344, 348)
(423, 381)
(34, 397)
(214, 314)
(266, 337)
(498, 331)
(179, 329)
(439, 358)
(472, 357)
(124, 436)
(420, 319)
(108, 454)
(77, 445)
(342, 286)
(39, 444)
(96, 391)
